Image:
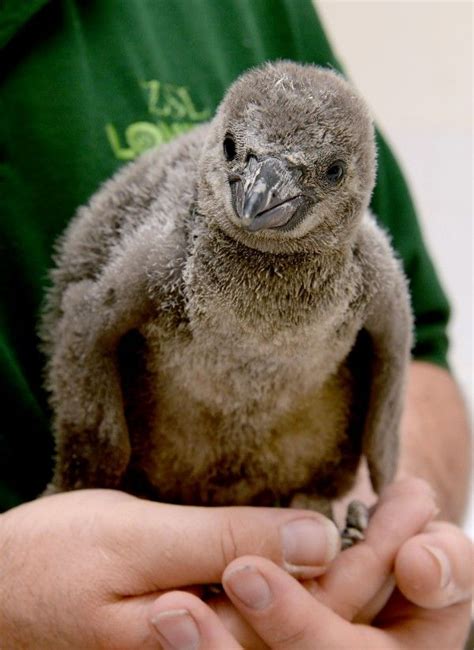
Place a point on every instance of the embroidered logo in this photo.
(173, 112)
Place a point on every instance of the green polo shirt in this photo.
(86, 86)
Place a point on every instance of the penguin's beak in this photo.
(266, 194)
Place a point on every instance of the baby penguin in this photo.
(227, 324)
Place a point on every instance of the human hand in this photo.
(83, 569)
(348, 606)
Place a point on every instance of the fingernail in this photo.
(443, 564)
(309, 545)
(250, 587)
(177, 630)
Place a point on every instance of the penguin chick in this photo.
(227, 323)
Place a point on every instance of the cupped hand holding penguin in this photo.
(405, 587)
(89, 568)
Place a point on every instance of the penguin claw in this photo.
(357, 520)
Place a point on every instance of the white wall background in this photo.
(412, 61)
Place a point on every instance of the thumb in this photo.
(167, 546)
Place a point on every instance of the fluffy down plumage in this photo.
(227, 324)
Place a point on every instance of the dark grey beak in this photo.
(266, 195)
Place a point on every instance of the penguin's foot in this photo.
(357, 519)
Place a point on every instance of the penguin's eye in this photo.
(229, 147)
(335, 172)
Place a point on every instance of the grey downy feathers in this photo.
(227, 323)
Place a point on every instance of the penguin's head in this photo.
(289, 163)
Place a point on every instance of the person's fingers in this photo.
(167, 546)
(184, 622)
(287, 617)
(359, 578)
(435, 568)
(281, 610)
(358, 582)
(177, 619)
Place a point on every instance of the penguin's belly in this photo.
(248, 426)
